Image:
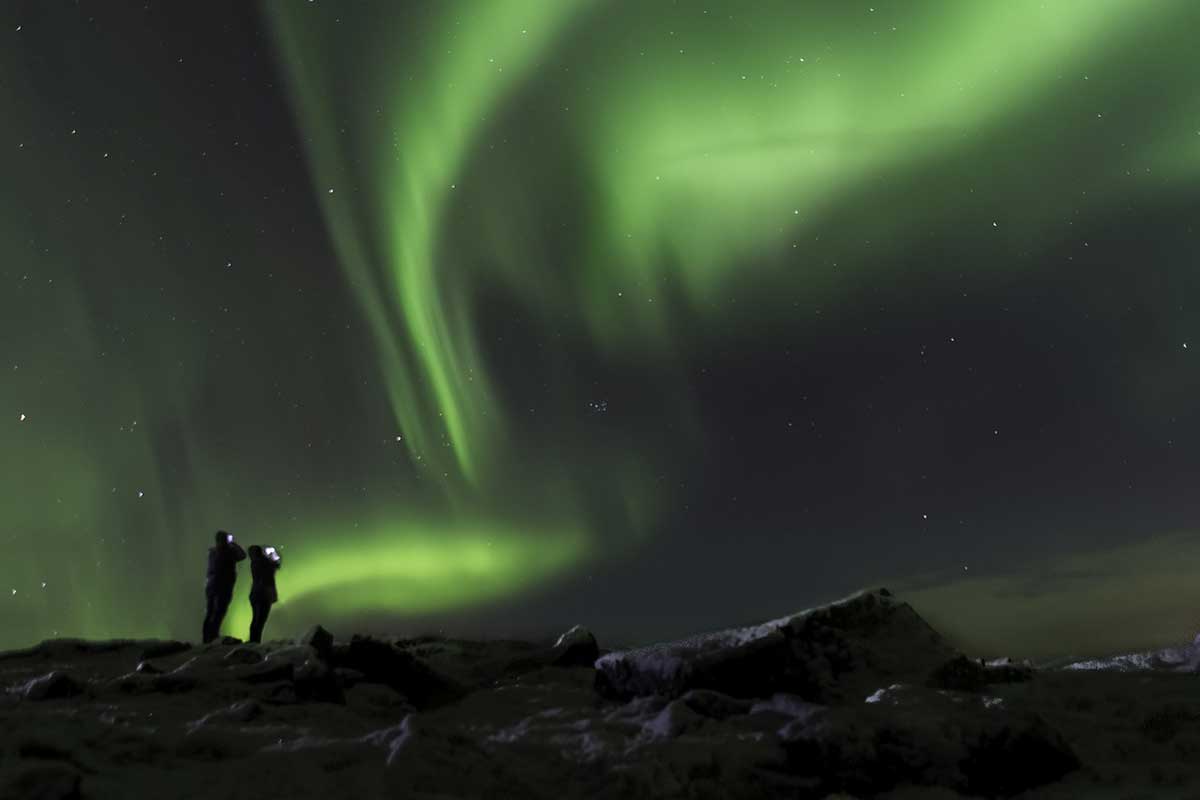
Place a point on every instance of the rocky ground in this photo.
(860, 698)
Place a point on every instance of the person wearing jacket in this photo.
(218, 585)
(264, 563)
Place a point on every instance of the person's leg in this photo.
(263, 613)
(224, 596)
(257, 621)
(210, 610)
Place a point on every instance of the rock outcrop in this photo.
(320, 640)
(575, 648)
(859, 698)
(828, 654)
(51, 686)
(379, 661)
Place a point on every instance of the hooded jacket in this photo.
(222, 565)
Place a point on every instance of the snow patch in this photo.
(879, 695)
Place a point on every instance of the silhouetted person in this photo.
(264, 563)
(218, 586)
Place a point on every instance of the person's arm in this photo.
(238, 553)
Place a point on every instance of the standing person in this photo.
(218, 586)
(264, 563)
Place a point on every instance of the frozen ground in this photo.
(860, 698)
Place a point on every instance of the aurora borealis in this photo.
(505, 315)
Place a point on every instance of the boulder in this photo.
(51, 686)
(318, 639)
(381, 662)
(575, 648)
(830, 654)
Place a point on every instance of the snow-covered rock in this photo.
(1170, 659)
(575, 648)
(825, 654)
(51, 686)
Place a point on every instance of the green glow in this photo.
(419, 568)
(726, 143)
(738, 139)
(418, 133)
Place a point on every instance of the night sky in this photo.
(499, 316)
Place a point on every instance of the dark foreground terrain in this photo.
(860, 698)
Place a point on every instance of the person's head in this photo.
(224, 537)
(255, 551)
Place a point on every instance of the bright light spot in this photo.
(23, 416)
(141, 494)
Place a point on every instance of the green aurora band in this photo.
(719, 138)
(419, 569)
(416, 139)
